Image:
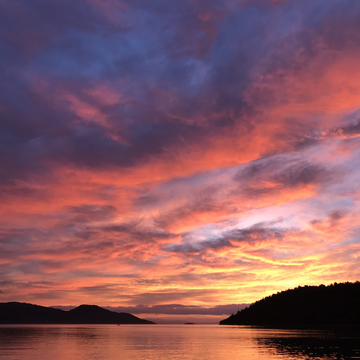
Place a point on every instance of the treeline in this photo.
(336, 305)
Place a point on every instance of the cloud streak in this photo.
(187, 152)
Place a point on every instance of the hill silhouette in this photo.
(336, 305)
(23, 313)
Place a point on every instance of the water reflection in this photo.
(313, 345)
(155, 342)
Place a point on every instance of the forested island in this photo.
(23, 313)
(336, 305)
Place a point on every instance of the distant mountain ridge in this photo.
(24, 313)
(336, 305)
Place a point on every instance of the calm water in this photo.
(155, 342)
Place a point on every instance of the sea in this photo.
(155, 342)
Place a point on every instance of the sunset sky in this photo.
(177, 157)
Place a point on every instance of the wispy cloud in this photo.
(185, 152)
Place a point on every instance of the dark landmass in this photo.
(23, 313)
(333, 306)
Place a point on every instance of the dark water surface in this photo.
(155, 342)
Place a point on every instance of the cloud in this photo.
(150, 298)
(172, 309)
(257, 233)
(181, 309)
(86, 213)
(284, 173)
(217, 244)
(191, 152)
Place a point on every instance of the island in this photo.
(24, 313)
(335, 305)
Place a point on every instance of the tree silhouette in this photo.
(307, 306)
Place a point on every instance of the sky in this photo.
(177, 159)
